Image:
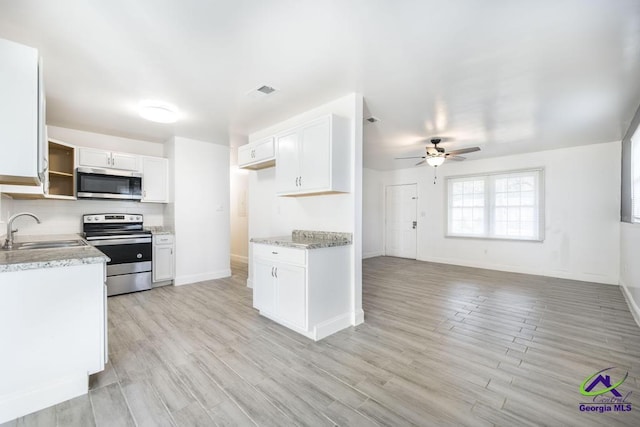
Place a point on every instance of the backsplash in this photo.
(65, 216)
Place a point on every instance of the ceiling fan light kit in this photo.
(435, 156)
(435, 161)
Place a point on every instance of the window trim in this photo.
(489, 208)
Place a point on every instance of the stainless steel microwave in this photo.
(92, 183)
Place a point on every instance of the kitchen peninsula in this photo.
(53, 322)
(302, 281)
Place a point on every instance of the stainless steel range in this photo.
(123, 239)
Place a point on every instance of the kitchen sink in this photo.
(52, 244)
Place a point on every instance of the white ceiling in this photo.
(508, 75)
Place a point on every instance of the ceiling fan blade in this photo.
(464, 150)
(456, 158)
(420, 163)
(414, 157)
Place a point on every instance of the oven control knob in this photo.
(96, 218)
(89, 218)
(130, 218)
(139, 256)
(138, 218)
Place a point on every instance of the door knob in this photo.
(415, 224)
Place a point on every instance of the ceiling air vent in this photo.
(261, 92)
(371, 119)
(266, 89)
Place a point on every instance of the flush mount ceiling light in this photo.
(159, 112)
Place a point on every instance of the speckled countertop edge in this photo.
(29, 259)
(158, 229)
(307, 239)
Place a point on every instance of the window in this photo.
(635, 177)
(500, 205)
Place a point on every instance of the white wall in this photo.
(582, 213)
(372, 213)
(199, 211)
(276, 216)
(106, 142)
(65, 216)
(629, 266)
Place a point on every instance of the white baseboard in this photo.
(633, 306)
(357, 317)
(332, 326)
(239, 258)
(499, 267)
(20, 404)
(249, 283)
(371, 254)
(195, 278)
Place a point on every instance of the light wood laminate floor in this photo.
(441, 345)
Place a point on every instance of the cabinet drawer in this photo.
(280, 253)
(163, 239)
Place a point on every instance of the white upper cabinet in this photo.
(314, 158)
(128, 162)
(155, 180)
(257, 155)
(95, 158)
(22, 139)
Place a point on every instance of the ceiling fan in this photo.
(436, 156)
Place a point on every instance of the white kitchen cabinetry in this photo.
(59, 178)
(306, 290)
(95, 158)
(22, 130)
(314, 158)
(257, 155)
(163, 259)
(53, 335)
(155, 180)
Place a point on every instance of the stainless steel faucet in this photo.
(8, 243)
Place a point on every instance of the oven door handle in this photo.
(109, 242)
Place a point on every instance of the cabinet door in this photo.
(291, 295)
(264, 287)
(263, 150)
(245, 155)
(124, 161)
(288, 163)
(91, 157)
(315, 155)
(18, 114)
(155, 180)
(162, 263)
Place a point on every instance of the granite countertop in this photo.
(307, 239)
(158, 229)
(28, 259)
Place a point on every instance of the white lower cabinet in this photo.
(53, 330)
(306, 290)
(163, 256)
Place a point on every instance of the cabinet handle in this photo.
(272, 271)
(275, 253)
(276, 271)
(300, 181)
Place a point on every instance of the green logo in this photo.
(605, 380)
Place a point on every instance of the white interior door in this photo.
(401, 221)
